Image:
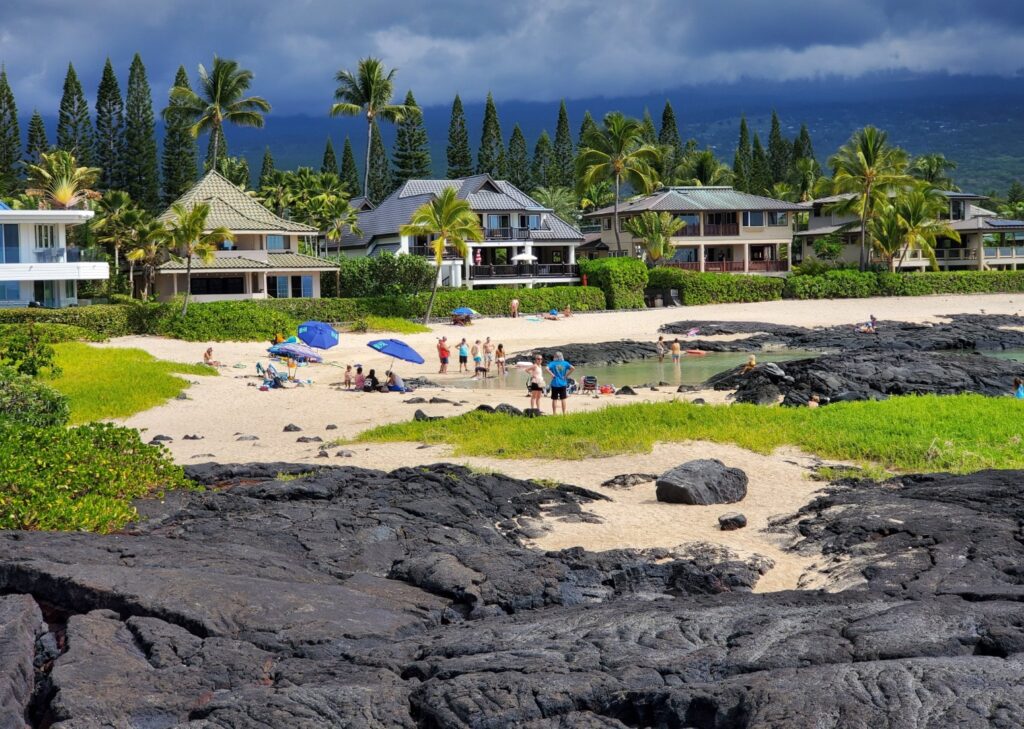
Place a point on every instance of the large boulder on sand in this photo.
(702, 482)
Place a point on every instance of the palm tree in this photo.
(919, 210)
(1014, 211)
(617, 152)
(118, 215)
(148, 248)
(559, 199)
(276, 194)
(805, 179)
(337, 216)
(702, 168)
(867, 169)
(452, 222)
(596, 196)
(656, 231)
(60, 183)
(188, 236)
(934, 169)
(368, 91)
(221, 99)
(886, 231)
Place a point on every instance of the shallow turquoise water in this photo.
(1015, 354)
(693, 370)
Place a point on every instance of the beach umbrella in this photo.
(295, 351)
(396, 349)
(465, 311)
(317, 334)
(524, 258)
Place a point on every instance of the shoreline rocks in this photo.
(702, 482)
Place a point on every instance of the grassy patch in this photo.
(392, 324)
(958, 433)
(103, 383)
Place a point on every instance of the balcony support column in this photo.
(700, 256)
(746, 258)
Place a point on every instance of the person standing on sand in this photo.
(443, 353)
(463, 355)
(659, 347)
(488, 349)
(560, 371)
(478, 360)
(677, 351)
(513, 307)
(536, 386)
(499, 359)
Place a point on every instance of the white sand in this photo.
(220, 407)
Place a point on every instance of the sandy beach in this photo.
(219, 409)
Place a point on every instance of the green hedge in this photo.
(108, 320)
(219, 321)
(844, 284)
(715, 288)
(622, 280)
(839, 284)
(58, 478)
(55, 333)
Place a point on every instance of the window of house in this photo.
(11, 251)
(217, 285)
(753, 219)
(46, 236)
(692, 226)
(276, 243)
(277, 287)
(529, 221)
(302, 287)
(606, 223)
(957, 209)
(10, 291)
(69, 290)
(622, 224)
(777, 218)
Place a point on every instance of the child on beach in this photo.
(360, 382)
(348, 377)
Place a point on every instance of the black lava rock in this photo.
(292, 428)
(732, 520)
(702, 482)
(420, 415)
(628, 480)
(625, 390)
(309, 439)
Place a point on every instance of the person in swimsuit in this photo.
(659, 347)
(513, 307)
(677, 351)
(499, 359)
(536, 386)
(488, 350)
(463, 356)
(478, 359)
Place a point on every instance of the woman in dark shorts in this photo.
(536, 386)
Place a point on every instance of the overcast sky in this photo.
(534, 50)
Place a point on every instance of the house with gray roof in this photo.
(987, 242)
(726, 230)
(525, 244)
(263, 261)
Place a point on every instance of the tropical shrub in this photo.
(219, 321)
(382, 275)
(54, 333)
(28, 401)
(836, 284)
(58, 478)
(23, 350)
(714, 288)
(927, 283)
(623, 280)
(108, 320)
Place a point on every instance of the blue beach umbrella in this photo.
(465, 311)
(396, 349)
(317, 334)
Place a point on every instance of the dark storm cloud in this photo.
(534, 49)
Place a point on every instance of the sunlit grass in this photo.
(392, 324)
(103, 383)
(953, 433)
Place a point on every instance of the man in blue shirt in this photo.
(560, 371)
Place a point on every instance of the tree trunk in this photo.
(864, 229)
(131, 279)
(188, 284)
(366, 171)
(216, 144)
(433, 295)
(618, 243)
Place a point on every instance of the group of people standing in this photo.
(485, 355)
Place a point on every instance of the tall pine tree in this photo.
(74, 128)
(562, 172)
(379, 185)
(650, 136)
(10, 137)
(141, 176)
(541, 164)
(267, 168)
(180, 160)
(779, 152)
(37, 141)
(329, 163)
(490, 158)
(412, 149)
(586, 126)
(350, 177)
(110, 132)
(460, 157)
(744, 159)
(668, 138)
(760, 170)
(518, 172)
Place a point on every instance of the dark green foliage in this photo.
(586, 126)
(24, 351)
(562, 169)
(650, 136)
(760, 170)
(10, 137)
(37, 142)
(828, 247)
(490, 158)
(541, 163)
(382, 275)
(622, 280)
(669, 139)
(329, 162)
(802, 147)
(111, 466)
(412, 148)
(743, 162)
(26, 400)
(108, 320)
(349, 171)
(379, 185)
(518, 172)
(235, 169)
(267, 167)
(141, 177)
(180, 154)
(74, 128)
(852, 284)
(779, 153)
(835, 284)
(460, 157)
(110, 138)
(219, 321)
(53, 333)
(1015, 193)
(714, 288)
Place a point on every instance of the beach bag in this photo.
(607, 390)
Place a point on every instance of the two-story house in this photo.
(726, 230)
(263, 260)
(524, 244)
(37, 264)
(987, 242)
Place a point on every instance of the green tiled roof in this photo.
(233, 209)
(275, 261)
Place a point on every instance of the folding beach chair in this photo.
(589, 383)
